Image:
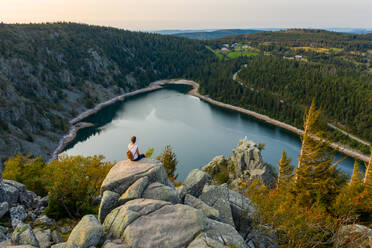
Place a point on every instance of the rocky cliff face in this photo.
(51, 72)
(245, 164)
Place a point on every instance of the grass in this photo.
(236, 54)
(216, 52)
(318, 49)
(219, 55)
(239, 51)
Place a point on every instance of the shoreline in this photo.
(194, 92)
(77, 124)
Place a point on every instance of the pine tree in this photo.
(356, 178)
(285, 170)
(169, 160)
(368, 176)
(316, 179)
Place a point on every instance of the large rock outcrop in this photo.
(248, 163)
(88, 232)
(245, 164)
(149, 212)
(125, 173)
(158, 191)
(194, 183)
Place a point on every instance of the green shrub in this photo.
(222, 177)
(73, 183)
(27, 170)
(149, 152)
(261, 146)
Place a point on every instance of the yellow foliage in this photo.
(73, 183)
(26, 170)
(294, 225)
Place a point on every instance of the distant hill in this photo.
(178, 31)
(205, 34)
(305, 37)
(51, 72)
(208, 35)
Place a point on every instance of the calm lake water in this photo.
(197, 131)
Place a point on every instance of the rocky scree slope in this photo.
(51, 72)
(140, 207)
(18, 206)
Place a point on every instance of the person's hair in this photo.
(133, 139)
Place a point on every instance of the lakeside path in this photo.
(194, 92)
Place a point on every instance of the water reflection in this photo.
(196, 130)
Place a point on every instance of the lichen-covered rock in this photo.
(17, 215)
(261, 237)
(45, 220)
(109, 202)
(248, 163)
(356, 236)
(218, 197)
(199, 204)
(27, 198)
(65, 229)
(205, 242)
(153, 223)
(169, 226)
(242, 211)
(21, 187)
(116, 222)
(23, 235)
(125, 173)
(63, 245)
(11, 193)
(44, 237)
(134, 191)
(2, 234)
(110, 244)
(88, 232)
(158, 191)
(195, 182)
(18, 246)
(40, 202)
(221, 231)
(56, 237)
(4, 207)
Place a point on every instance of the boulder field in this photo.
(140, 207)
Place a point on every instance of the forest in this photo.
(51, 72)
(292, 68)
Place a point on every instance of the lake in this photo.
(196, 130)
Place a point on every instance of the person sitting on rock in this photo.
(134, 149)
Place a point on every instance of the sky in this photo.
(193, 14)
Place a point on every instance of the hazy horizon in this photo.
(150, 15)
